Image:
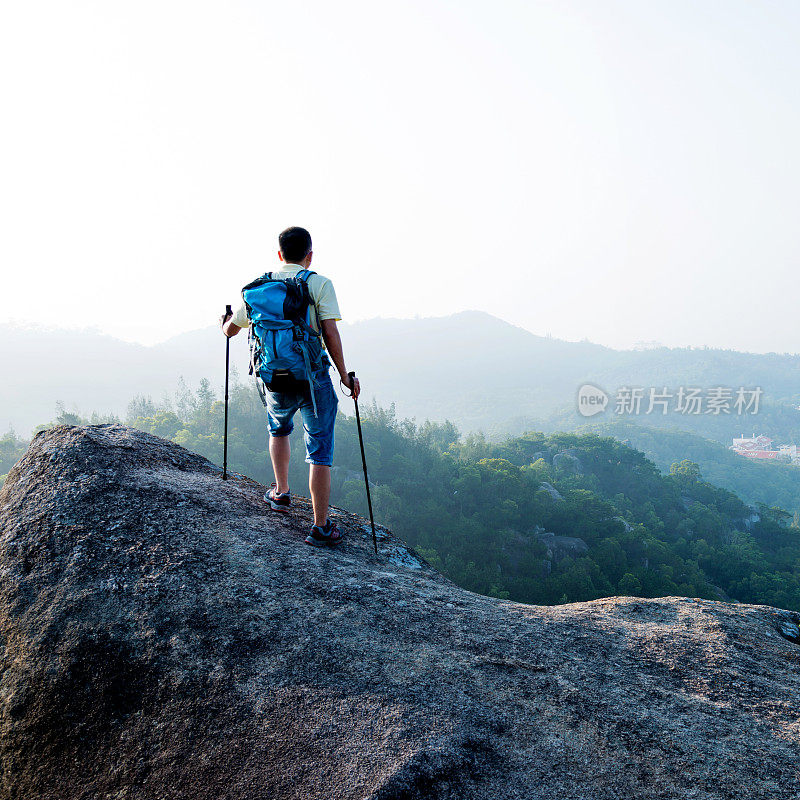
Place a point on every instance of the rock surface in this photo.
(164, 635)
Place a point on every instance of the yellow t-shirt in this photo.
(319, 287)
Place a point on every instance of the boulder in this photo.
(568, 462)
(163, 634)
(552, 491)
(559, 547)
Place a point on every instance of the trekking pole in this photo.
(352, 377)
(228, 313)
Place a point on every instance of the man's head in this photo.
(295, 246)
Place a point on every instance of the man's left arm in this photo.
(333, 343)
(327, 308)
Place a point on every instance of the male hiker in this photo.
(291, 310)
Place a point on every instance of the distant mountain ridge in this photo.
(472, 368)
(94, 372)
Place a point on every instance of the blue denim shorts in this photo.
(317, 431)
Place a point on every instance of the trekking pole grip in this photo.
(352, 377)
(228, 312)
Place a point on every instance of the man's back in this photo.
(322, 294)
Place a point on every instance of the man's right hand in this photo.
(228, 328)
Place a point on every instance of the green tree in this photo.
(630, 585)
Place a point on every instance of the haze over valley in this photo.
(471, 368)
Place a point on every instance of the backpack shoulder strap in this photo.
(303, 276)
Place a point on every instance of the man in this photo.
(316, 404)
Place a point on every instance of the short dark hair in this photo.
(295, 244)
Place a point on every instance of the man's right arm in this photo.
(236, 322)
(228, 328)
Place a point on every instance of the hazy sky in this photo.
(620, 171)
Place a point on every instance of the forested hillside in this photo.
(771, 482)
(538, 518)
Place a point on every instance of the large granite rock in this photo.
(164, 635)
(561, 547)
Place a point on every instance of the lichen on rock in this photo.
(165, 635)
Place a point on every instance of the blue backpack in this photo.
(285, 350)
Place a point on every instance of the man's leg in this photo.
(318, 431)
(319, 483)
(280, 453)
(280, 410)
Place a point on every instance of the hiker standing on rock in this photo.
(292, 314)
